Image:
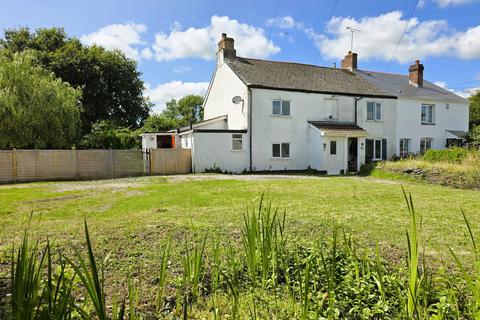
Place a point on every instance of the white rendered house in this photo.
(267, 115)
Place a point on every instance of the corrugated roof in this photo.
(303, 77)
(330, 128)
(397, 84)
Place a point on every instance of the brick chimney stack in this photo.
(416, 74)
(226, 49)
(350, 61)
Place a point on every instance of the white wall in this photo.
(409, 122)
(304, 107)
(383, 129)
(149, 142)
(215, 150)
(224, 86)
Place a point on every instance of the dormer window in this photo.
(281, 108)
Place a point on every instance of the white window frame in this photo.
(236, 138)
(430, 110)
(282, 105)
(423, 141)
(401, 146)
(375, 150)
(377, 111)
(282, 156)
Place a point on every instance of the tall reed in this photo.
(412, 259)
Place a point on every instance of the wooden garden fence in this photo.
(43, 165)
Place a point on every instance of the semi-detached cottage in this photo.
(269, 115)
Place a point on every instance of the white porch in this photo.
(336, 148)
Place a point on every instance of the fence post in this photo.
(150, 161)
(112, 164)
(14, 165)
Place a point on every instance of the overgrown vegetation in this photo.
(37, 110)
(455, 167)
(266, 273)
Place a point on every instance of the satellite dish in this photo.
(237, 99)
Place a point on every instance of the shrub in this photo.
(449, 155)
(474, 136)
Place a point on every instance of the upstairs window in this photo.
(237, 142)
(281, 107)
(280, 150)
(428, 114)
(374, 111)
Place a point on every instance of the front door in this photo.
(352, 154)
(335, 156)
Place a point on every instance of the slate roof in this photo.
(398, 85)
(339, 128)
(303, 77)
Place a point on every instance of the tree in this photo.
(474, 136)
(475, 109)
(105, 135)
(190, 108)
(158, 123)
(37, 110)
(111, 84)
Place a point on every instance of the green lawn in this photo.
(130, 218)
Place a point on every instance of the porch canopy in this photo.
(339, 129)
(456, 134)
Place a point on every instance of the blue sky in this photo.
(174, 41)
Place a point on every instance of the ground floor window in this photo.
(451, 143)
(281, 150)
(425, 144)
(237, 142)
(404, 147)
(376, 149)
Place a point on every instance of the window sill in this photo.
(237, 150)
(279, 116)
(428, 124)
(272, 158)
(373, 120)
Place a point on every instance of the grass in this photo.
(278, 272)
(132, 220)
(456, 167)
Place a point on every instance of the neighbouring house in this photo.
(269, 115)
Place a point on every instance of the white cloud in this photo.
(450, 3)
(468, 43)
(379, 35)
(165, 92)
(182, 69)
(421, 3)
(286, 22)
(125, 37)
(202, 42)
(147, 53)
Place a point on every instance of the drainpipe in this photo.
(356, 111)
(250, 126)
